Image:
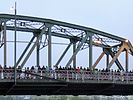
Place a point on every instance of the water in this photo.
(66, 97)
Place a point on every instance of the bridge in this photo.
(85, 82)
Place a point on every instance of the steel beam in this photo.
(127, 47)
(49, 47)
(116, 56)
(5, 45)
(97, 61)
(63, 54)
(126, 60)
(24, 52)
(54, 22)
(131, 47)
(107, 60)
(56, 34)
(112, 54)
(77, 49)
(33, 30)
(11, 28)
(74, 59)
(90, 50)
(33, 47)
(38, 54)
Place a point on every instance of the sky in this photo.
(112, 16)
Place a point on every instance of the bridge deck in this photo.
(54, 87)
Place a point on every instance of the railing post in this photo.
(113, 77)
(98, 76)
(73, 75)
(67, 76)
(82, 75)
(127, 77)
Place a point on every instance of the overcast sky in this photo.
(113, 16)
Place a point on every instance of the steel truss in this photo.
(80, 37)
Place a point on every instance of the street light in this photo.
(15, 38)
(13, 8)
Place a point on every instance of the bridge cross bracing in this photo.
(80, 38)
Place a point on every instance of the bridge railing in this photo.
(89, 75)
(68, 75)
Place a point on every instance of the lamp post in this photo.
(15, 37)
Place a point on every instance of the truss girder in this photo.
(54, 22)
(57, 35)
(43, 20)
(81, 37)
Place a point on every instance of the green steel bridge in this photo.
(79, 38)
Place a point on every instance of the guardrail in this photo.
(67, 75)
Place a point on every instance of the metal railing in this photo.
(68, 75)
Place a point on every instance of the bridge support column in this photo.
(126, 60)
(38, 54)
(74, 59)
(107, 60)
(90, 50)
(5, 54)
(49, 47)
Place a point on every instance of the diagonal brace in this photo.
(117, 61)
(112, 54)
(33, 47)
(84, 39)
(63, 54)
(115, 57)
(97, 61)
(24, 52)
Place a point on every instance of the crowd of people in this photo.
(78, 73)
